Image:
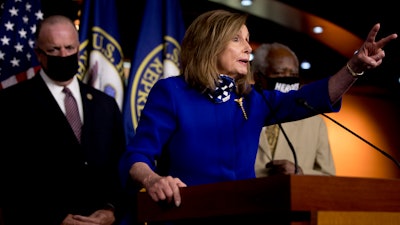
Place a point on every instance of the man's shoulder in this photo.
(88, 89)
(97, 96)
(19, 88)
(309, 121)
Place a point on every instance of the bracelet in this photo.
(354, 74)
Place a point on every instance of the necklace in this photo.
(240, 102)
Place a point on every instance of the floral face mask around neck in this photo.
(222, 92)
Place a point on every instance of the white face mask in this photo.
(283, 84)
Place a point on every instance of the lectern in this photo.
(282, 200)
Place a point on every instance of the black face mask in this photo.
(62, 68)
(283, 84)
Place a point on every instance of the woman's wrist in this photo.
(351, 71)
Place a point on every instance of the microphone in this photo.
(304, 103)
(296, 165)
(296, 169)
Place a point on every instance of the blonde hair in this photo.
(204, 40)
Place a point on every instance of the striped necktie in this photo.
(72, 113)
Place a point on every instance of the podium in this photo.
(281, 200)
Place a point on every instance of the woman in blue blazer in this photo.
(203, 126)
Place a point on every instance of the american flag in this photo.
(18, 22)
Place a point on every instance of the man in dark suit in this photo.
(48, 174)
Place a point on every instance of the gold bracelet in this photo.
(354, 74)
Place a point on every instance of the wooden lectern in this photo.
(282, 200)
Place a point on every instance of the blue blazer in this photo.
(46, 172)
(199, 141)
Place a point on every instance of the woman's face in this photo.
(234, 59)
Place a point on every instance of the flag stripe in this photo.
(18, 23)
